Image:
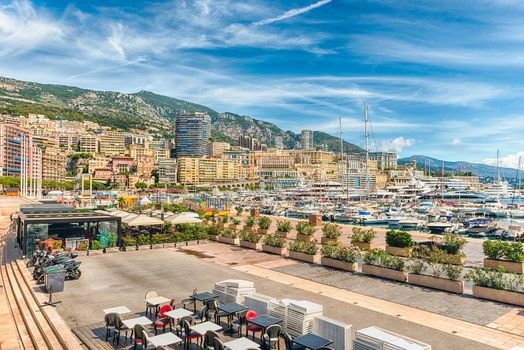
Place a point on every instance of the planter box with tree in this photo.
(250, 223)
(399, 243)
(235, 224)
(95, 248)
(249, 239)
(497, 285)
(283, 228)
(506, 255)
(229, 236)
(213, 233)
(339, 257)
(305, 231)
(362, 238)
(380, 264)
(304, 251)
(264, 223)
(330, 233)
(275, 245)
(451, 284)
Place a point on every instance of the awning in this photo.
(141, 220)
(182, 218)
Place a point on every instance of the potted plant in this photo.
(144, 241)
(113, 243)
(239, 211)
(95, 248)
(305, 231)
(506, 255)
(399, 243)
(379, 263)
(263, 225)
(250, 223)
(283, 228)
(275, 245)
(451, 244)
(229, 236)
(129, 242)
(452, 283)
(339, 257)
(362, 238)
(497, 285)
(304, 250)
(235, 223)
(58, 245)
(330, 233)
(250, 239)
(213, 233)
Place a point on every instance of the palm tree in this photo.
(121, 201)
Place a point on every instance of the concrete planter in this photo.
(129, 248)
(275, 250)
(437, 283)
(338, 264)
(92, 252)
(326, 240)
(144, 247)
(158, 246)
(233, 241)
(508, 266)
(81, 252)
(312, 259)
(503, 296)
(214, 238)
(363, 245)
(169, 245)
(301, 237)
(384, 272)
(282, 234)
(251, 245)
(262, 231)
(113, 250)
(459, 260)
(404, 252)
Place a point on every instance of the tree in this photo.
(121, 201)
(154, 173)
(141, 185)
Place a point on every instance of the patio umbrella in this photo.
(141, 220)
(182, 219)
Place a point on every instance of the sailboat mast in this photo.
(366, 136)
(498, 166)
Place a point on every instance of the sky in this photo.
(441, 78)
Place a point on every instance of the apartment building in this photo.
(112, 143)
(88, 144)
(207, 170)
(192, 131)
(167, 171)
(217, 149)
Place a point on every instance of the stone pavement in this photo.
(124, 278)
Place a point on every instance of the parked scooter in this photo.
(65, 259)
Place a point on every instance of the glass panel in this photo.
(108, 233)
(35, 232)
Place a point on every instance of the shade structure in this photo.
(141, 220)
(182, 218)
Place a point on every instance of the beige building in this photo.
(88, 144)
(207, 170)
(112, 143)
(217, 149)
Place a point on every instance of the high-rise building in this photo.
(112, 143)
(217, 149)
(88, 144)
(192, 132)
(306, 139)
(207, 170)
(251, 143)
(167, 171)
(279, 142)
(385, 160)
(16, 145)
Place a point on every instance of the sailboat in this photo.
(500, 188)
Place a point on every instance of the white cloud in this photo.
(397, 145)
(456, 141)
(509, 161)
(293, 13)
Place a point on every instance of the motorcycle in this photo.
(71, 267)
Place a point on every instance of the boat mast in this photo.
(366, 136)
(518, 181)
(498, 167)
(345, 163)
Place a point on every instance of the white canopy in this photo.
(141, 220)
(182, 218)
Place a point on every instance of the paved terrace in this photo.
(123, 279)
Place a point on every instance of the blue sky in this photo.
(441, 78)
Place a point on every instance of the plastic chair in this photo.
(119, 328)
(272, 336)
(190, 301)
(163, 320)
(110, 320)
(150, 308)
(237, 324)
(209, 340)
(139, 337)
(252, 327)
(190, 335)
(202, 316)
(289, 342)
(217, 344)
(325, 348)
(180, 326)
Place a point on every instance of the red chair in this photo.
(163, 320)
(190, 335)
(252, 327)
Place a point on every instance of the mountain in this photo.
(143, 109)
(479, 169)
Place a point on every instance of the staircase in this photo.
(26, 323)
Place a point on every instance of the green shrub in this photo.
(453, 272)
(303, 247)
(361, 235)
(338, 252)
(452, 243)
(229, 233)
(379, 257)
(239, 211)
(399, 239)
(129, 241)
(331, 231)
(417, 266)
(264, 223)
(95, 245)
(225, 219)
(284, 226)
(250, 221)
(499, 250)
(113, 238)
(274, 241)
(487, 278)
(236, 222)
(249, 236)
(305, 228)
(213, 230)
(57, 244)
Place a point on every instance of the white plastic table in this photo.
(117, 310)
(164, 339)
(157, 300)
(178, 313)
(202, 328)
(241, 344)
(142, 320)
